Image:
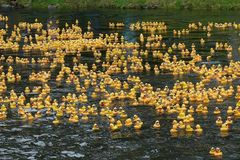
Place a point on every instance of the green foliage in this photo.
(4, 1)
(172, 4)
(24, 3)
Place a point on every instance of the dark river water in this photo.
(43, 140)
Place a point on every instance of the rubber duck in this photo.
(73, 118)
(229, 120)
(128, 122)
(123, 114)
(138, 125)
(24, 116)
(198, 129)
(56, 121)
(113, 127)
(84, 118)
(218, 152)
(181, 125)
(230, 110)
(219, 121)
(3, 115)
(30, 117)
(237, 112)
(119, 124)
(95, 127)
(224, 127)
(188, 128)
(135, 118)
(205, 110)
(181, 115)
(38, 115)
(94, 95)
(59, 113)
(27, 90)
(199, 108)
(208, 34)
(111, 119)
(191, 110)
(212, 151)
(13, 105)
(174, 130)
(3, 108)
(217, 111)
(202, 41)
(156, 125)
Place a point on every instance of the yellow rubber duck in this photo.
(3, 108)
(128, 122)
(56, 121)
(212, 151)
(38, 115)
(198, 129)
(123, 114)
(95, 127)
(30, 117)
(219, 121)
(119, 124)
(181, 125)
(135, 118)
(111, 119)
(156, 125)
(188, 128)
(94, 95)
(3, 115)
(113, 127)
(218, 152)
(27, 90)
(224, 127)
(13, 105)
(229, 120)
(138, 125)
(73, 118)
(24, 116)
(230, 110)
(205, 110)
(84, 118)
(174, 128)
(181, 115)
(191, 110)
(217, 111)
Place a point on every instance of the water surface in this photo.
(42, 140)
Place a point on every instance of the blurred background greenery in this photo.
(169, 4)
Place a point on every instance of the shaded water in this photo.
(42, 140)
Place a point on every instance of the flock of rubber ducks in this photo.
(95, 88)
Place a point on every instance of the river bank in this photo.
(124, 4)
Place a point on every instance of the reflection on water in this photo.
(42, 140)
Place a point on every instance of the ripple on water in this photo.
(31, 158)
(42, 135)
(50, 144)
(17, 151)
(16, 129)
(6, 157)
(32, 153)
(26, 126)
(72, 154)
(3, 124)
(3, 151)
(23, 140)
(40, 144)
(83, 144)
